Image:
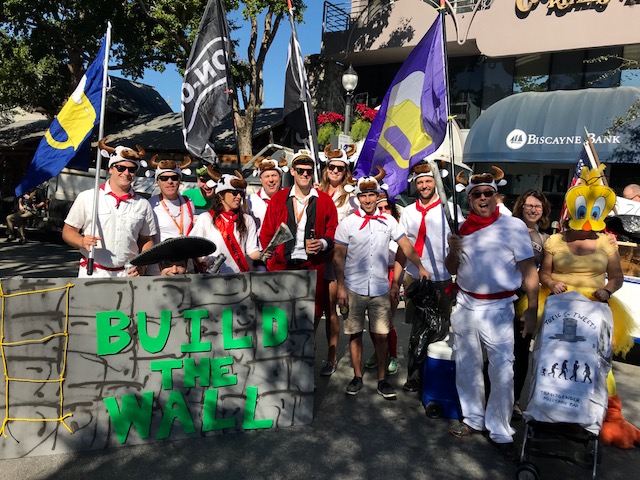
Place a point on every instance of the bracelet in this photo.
(608, 291)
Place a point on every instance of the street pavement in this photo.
(361, 437)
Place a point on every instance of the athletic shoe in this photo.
(462, 430)
(386, 390)
(354, 386)
(22, 241)
(412, 385)
(372, 362)
(392, 368)
(10, 238)
(328, 369)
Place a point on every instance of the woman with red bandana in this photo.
(226, 225)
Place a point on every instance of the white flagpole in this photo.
(96, 184)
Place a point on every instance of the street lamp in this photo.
(349, 83)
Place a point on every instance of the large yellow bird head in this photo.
(589, 202)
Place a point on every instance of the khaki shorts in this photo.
(378, 309)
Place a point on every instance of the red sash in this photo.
(422, 231)
(475, 222)
(84, 262)
(119, 198)
(225, 223)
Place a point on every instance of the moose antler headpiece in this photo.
(493, 179)
(169, 165)
(231, 182)
(346, 155)
(265, 164)
(365, 184)
(122, 154)
(423, 169)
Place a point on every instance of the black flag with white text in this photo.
(206, 87)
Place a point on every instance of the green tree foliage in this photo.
(46, 46)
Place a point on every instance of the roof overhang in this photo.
(549, 127)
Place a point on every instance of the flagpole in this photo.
(445, 62)
(312, 147)
(96, 184)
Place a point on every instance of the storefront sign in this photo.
(99, 363)
(524, 6)
(516, 139)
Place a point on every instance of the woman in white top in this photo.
(233, 231)
(334, 178)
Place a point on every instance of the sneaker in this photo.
(22, 241)
(10, 238)
(354, 386)
(372, 362)
(508, 450)
(386, 390)
(328, 369)
(462, 430)
(516, 415)
(392, 368)
(412, 385)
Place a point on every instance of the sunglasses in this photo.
(122, 168)
(486, 194)
(236, 193)
(173, 178)
(203, 179)
(339, 168)
(383, 208)
(304, 171)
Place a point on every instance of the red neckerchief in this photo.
(422, 231)
(119, 198)
(368, 217)
(224, 222)
(265, 199)
(475, 222)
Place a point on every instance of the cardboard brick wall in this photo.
(130, 361)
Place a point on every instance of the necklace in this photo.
(173, 218)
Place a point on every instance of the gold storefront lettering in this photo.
(526, 6)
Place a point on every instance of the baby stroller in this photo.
(568, 396)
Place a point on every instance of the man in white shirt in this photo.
(491, 258)
(124, 224)
(270, 171)
(361, 266)
(427, 230)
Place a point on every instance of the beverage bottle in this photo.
(312, 236)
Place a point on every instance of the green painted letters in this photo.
(230, 343)
(196, 344)
(176, 408)
(154, 344)
(105, 332)
(249, 421)
(220, 376)
(166, 367)
(274, 318)
(210, 407)
(132, 412)
(192, 371)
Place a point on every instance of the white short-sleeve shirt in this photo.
(366, 269)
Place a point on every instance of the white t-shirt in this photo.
(436, 247)
(366, 269)
(205, 228)
(257, 207)
(488, 261)
(119, 228)
(169, 222)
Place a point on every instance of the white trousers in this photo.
(491, 331)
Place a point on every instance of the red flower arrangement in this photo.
(366, 113)
(330, 117)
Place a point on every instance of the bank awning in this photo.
(549, 127)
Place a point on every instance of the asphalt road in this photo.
(361, 437)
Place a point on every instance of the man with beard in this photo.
(492, 258)
(427, 230)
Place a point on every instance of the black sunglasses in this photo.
(304, 171)
(486, 194)
(122, 168)
(166, 178)
(339, 168)
(204, 179)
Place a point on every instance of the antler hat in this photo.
(493, 180)
(230, 183)
(122, 154)
(169, 165)
(365, 184)
(344, 155)
(264, 164)
(423, 169)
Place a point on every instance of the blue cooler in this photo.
(439, 394)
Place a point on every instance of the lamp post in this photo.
(349, 83)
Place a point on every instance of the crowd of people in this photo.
(349, 232)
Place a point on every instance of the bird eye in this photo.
(598, 207)
(581, 208)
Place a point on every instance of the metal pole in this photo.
(348, 113)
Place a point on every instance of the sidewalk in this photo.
(362, 437)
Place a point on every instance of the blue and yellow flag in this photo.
(412, 120)
(69, 133)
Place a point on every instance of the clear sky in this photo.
(169, 83)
